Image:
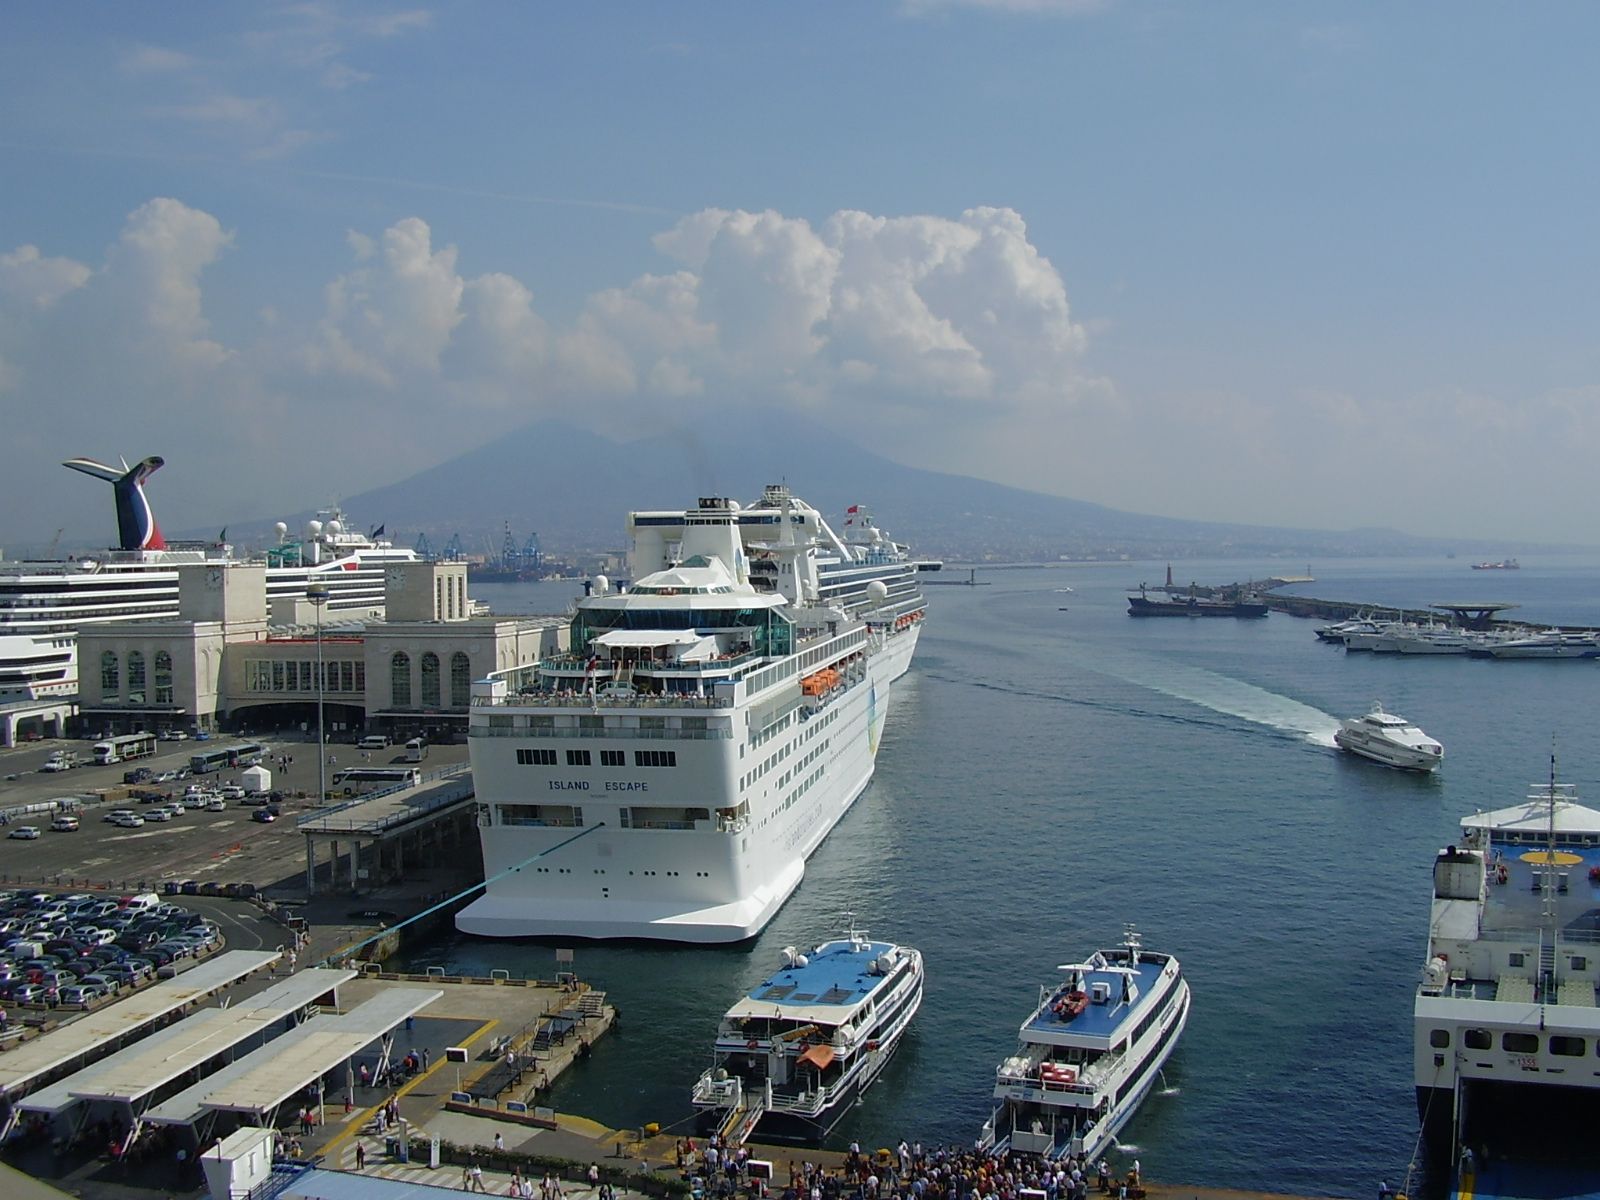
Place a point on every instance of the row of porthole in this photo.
(601, 871)
(1513, 1042)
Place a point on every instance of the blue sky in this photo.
(1302, 264)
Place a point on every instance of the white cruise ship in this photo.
(43, 604)
(710, 725)
(1507, 1029)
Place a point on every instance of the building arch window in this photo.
(136, 680)
(460, 680)
(430, 680)
(110, 674)
(400, 679)
(163, 680)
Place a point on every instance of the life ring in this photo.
(752, 1044)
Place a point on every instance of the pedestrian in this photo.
(594, 1175)
(361, 1157)
(425, 1056)
(499, 1141)
(477, 1178)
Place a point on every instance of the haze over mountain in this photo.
(573, 487)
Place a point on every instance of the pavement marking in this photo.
(367, 1114)
(128, 837)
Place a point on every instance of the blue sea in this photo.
(1052, 769)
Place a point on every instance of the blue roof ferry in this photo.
(797, 1050)
(1088, 1054)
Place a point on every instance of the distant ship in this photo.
(1505, 564)
(1144, 605)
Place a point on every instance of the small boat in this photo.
(795, 1053)
(1144, 605)
(1089, 1054)
(1391, 740)
(1505, 564)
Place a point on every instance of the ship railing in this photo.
(581, 699)
(644, 735)
(579, 664)
(1589, 937)
(718, 1093)
(569, 822)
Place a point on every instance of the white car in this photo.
(129, 821)
(216, 804)
(116, 814)
(232, 792)
(26, 832)
(176, 735)
(55, 764)
(158, 814)
(64, 825)
(197, 800)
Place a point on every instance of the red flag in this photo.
(853, 508)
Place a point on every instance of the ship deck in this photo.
(1098, 1020)
(840, 976)
(1528, 1181)
(1518, 903)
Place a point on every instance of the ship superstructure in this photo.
(707, 729)
(44, 603)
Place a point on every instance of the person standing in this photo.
(361, 1157)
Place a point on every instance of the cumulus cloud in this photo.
(153, 279)
(29, 278)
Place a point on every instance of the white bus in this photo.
(416, 749)
(358, 781)
(247, 754)
(124, 748)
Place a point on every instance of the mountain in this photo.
(574, 487)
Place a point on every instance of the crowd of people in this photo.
(909, 1172)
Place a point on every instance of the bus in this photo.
(358, 781)
(121, 749)
(416, 749)
(247, 754)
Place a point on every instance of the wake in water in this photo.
(1231, 697)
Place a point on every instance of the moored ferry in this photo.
(1088, 1054)
(707, 729)
(1507, 1028)
(797, 1051)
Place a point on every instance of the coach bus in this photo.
(246, 755)
(122, 749)
(358, 781)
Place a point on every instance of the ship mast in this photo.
(1548, 890)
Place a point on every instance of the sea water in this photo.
(1048, 775)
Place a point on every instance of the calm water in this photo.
(1049, 775)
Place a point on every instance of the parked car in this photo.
(131, 821)
(104, 982)
(137, 775)
(27, 993)
(26, 832)
(166, 777)
(264, 815)
(117, 814)
(81, 993)
(158, 814)
(231, 791)
(64, 825)
(216, 804)
(176, 735)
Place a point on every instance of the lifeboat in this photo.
(820, 682)
(1056, 1073)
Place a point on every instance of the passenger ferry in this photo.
(44, 604)
(797, 1051)
(669, 777)
(1507, 1031)
(1089, 1054)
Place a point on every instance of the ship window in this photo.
(655, 758)
(613, 758)
(1567, 1047)
(1516, 959)
(1580, 963)
(1477, 1039)
(430, 680)
(536, 758)
(135, 677)
(163, 677)
(1520, 1043)
(460, 680)
(400, 679)
(110, 674)
(577, 758)
(1439, 1038)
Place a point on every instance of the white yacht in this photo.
(801, 1047)
(670, 775)
(1507, 1031)
(1389, 739)
(1089, 1053)
(1551, 643)
(44, 603)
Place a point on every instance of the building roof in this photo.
(134, 1072)
(29, 1062)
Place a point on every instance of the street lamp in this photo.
(317, 593)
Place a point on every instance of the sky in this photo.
(1328, 266)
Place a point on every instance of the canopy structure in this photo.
(818, 1056)
(648, 637)
(1475, 615)
(257, 1084)
(45, 1058)
(133, 1074)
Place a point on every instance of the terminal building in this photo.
(230, 663)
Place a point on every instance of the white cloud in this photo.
(153, 279)
(29, 278)
(151, 60)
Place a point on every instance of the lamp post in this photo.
(317, 593)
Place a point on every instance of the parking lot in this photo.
(226, 846)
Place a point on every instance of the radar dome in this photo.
(313, 528)
(602, 585)
(877, 591)
(335, 526)
(281, 529)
